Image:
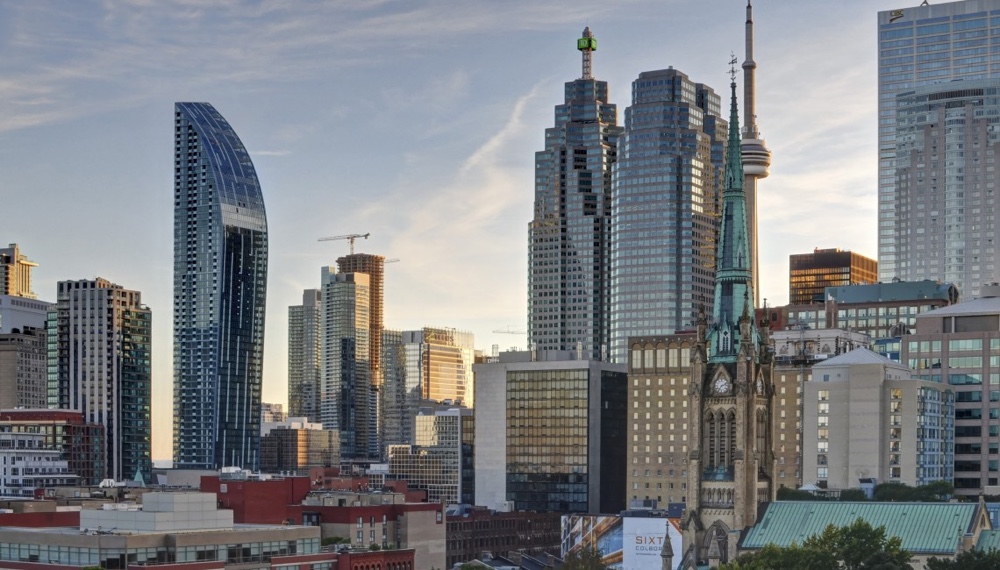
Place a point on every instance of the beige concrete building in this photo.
(15, 272)
(658, 419)
(796, 350)
(867, 417)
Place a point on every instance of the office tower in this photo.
(549, 433)
(15, 272)
(569, 236)
(296, 444)
(304, 357)
(24, 372)
(947, 150)
(867, 417)
(345, 392)
(100, 345)
(958, 346)
(374, 267)
(397, 424)
(440, 460)
(756, 156)
(731, 460)
(921, 46)
(665, 188)
(220, 283)
(809, 274)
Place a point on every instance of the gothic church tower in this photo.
(731, 458)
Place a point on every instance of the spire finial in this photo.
(732, 68)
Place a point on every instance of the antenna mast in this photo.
(587, 45)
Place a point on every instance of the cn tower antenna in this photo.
(587, 45)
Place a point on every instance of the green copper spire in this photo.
(733, 275)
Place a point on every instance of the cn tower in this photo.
(756, 156)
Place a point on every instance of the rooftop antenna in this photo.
(587, 45)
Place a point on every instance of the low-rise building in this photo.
(473, 531)
(79, 443)
(295, 445)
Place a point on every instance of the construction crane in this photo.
(509, 330)
(349, 237)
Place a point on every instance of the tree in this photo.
(853, 495)
(972, 560)
(587, 558)
(856, 546)
(933, 492)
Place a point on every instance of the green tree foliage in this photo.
(934, 492)
(790, 494)
(589, 558)
(853, 495)
(857, 546)
(973, 560)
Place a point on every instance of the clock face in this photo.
(721, 385)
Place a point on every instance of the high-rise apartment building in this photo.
(220, 283)
(24, 372)
(947, 151)
(15, 272)
(346, 395)
(374, 267)
(304, 357)
(665, 188)
(569, 236)
(99, 352)
(933, 43)
(396, 395)
(809, 274)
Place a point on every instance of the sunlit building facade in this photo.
(15, 272)
(918, 46)
(100, 364)
(809, 274)
(665, 188)
(220, 284)
(304, 356)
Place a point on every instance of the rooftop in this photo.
(857, 356)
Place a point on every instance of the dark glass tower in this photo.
(568, 239)
(663, 207)
(220, 282)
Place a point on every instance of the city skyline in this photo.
(417, 123)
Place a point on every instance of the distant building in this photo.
(958, 347)
(441, 461)
(637, 540)
(569, 237)
(304, 357)
(666, 187)
(220, 293)
(15, 272)
(867, 417)
(474, 530)
(80, 443)
(296, 445)
(28, 464)
(21, 313)
(796, 351)
(271, 413)
(809, 274)
(347, 399)
(100, 351)
(543, 409)
(24, 369)
(397, 395)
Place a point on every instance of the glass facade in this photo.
(304, 357)
(920, 46)
(568, 239)
(220, 283)
(665, 190)
(809, 274)
(947, 153)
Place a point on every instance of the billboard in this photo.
(626, 543)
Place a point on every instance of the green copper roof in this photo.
(989, 540)
(925, 528)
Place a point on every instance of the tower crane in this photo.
(349, 237)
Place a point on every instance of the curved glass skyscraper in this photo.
(220, 282)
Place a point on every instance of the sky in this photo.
(415, 121)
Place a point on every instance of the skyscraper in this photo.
(304, 357)
(568, 239)
(15, 272)
(947, 150)
(663, 207)
(809, 274)
(731, 462)
(346, 402)
(220, 283)
(920, 46)
(100, 365)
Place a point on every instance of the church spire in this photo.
(733, 264)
